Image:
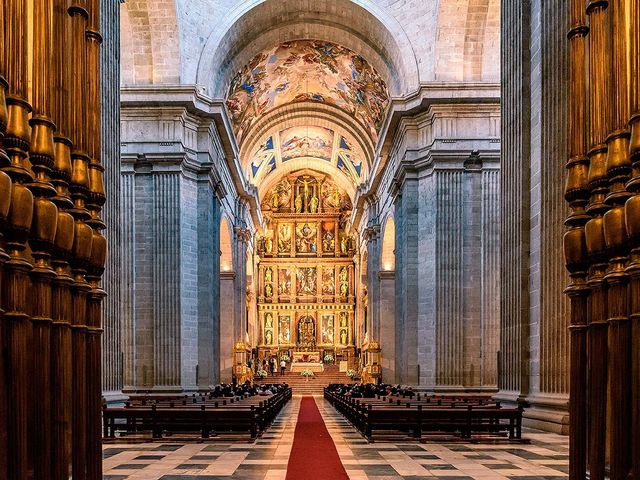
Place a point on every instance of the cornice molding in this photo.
(192, 99)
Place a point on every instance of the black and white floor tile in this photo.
(545, 458)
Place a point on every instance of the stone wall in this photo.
(176, 184)
(441, 187)
(535, 346)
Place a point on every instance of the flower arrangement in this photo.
(285, 357)
(307, 373)
(328, 358)
(261, 373)
(351, 373)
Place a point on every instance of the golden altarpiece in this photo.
(306, 296)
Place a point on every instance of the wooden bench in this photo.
(198, 414)
(460, 416)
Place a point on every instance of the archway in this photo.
(387, 285)
(388, 254)
(227, 300)
(226, 246)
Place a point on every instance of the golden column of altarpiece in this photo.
(306, 290)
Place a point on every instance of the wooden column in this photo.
(577, 195)
(44, 383)
(95, 201)
(43, 231)
(618, 171)
(612, 232)
(5, 203)
(83, 235)
(61, 357)
(632, 211)
(15, 324)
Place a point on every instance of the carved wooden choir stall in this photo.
(52, 253)
(602, 242)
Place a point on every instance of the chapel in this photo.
(319, 239)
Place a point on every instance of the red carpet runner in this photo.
(313, 454)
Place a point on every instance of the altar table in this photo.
(313, 366)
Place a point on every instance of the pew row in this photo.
(462, 417)
(201, 414)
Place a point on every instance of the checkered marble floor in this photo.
(545, 458)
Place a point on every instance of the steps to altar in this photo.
(311, 385)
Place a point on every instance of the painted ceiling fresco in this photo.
(308, 70)
(296, 142)
(311, 143)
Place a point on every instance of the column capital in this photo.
(242, 234)
(372, 232)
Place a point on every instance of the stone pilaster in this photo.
(472, 274)
(515, 201)
(450, 279)
(208, 367)
(549, 311)
(387, 336)
(407, 290)
(490, 275)
(112, 314)
(534, 336)
(372, 237)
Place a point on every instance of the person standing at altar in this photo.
(283, 366)
(273, 366)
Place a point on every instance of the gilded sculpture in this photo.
(284, 238)
(306, 281)
(313, 205)
(306, 238)
(298, 282)
(328, 282)
(306, 331)
(284, 282)
(328, 238)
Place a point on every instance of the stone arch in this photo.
(468, 41)
(360, 25)
(388, 253)
(226, 246)
(150, 43)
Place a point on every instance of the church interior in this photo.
(329, 239)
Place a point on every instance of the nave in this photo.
(267, 459)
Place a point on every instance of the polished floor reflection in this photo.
(546, 457)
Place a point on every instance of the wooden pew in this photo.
(428, 415)
(198, 413)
